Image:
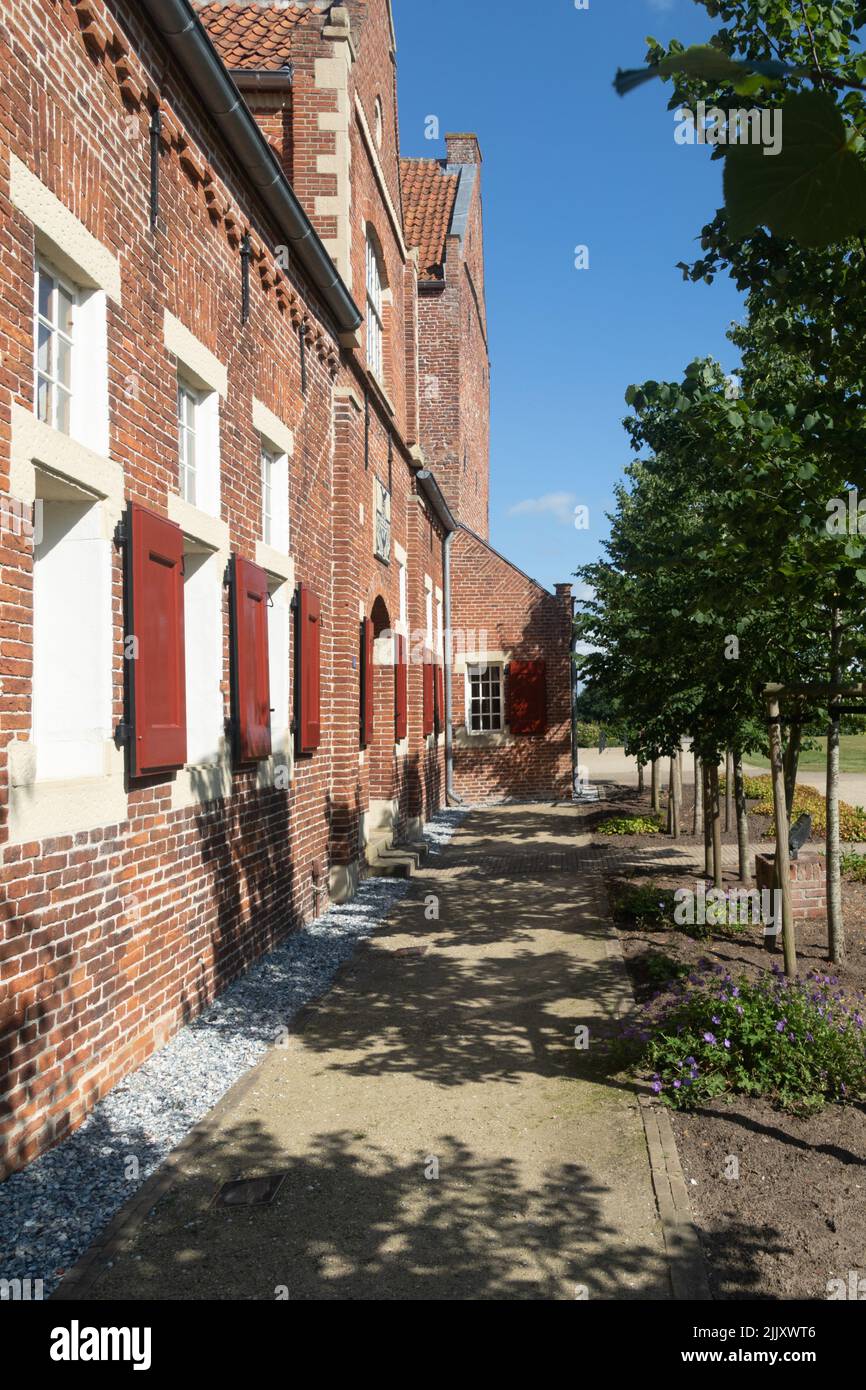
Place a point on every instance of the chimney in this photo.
(566, 598)
(463, 149)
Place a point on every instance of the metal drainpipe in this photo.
(450, 793)
(575, 750)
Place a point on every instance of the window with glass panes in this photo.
(55, 311)
(187, 404)
(374, 309)
(485, 699)
(269, 463)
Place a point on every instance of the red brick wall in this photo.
(111, 939)
(454, 387)
(499, 609)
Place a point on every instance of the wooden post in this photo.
(742, 818)
(729, 798)
(780, 816)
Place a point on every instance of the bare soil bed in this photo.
(794, 1218)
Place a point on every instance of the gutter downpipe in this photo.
(186, 37)
(434, 496)
(450, 794)
(575, 749)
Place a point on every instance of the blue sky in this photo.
(567, 162)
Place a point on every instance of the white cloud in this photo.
(559, 505)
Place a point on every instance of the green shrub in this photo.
(852, 819)
(645, 905)
(661, 969)
(755, 788)
(588, 735)
(630, 825)
(854, 866)
(798, 1042)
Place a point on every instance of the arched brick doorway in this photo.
(382, 751)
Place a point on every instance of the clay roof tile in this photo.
(254, 36)
(428, 203)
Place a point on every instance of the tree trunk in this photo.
(742, 819)
(717, 824)
(640, 778)
(698, 816)
(792, 759)
(673, 800)
(729, 790)
(654, 783)
(835, 924)
(708, 823)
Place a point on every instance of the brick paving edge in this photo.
(686, 1264)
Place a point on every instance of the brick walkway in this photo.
(447, 1047)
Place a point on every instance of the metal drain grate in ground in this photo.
(249, 1192)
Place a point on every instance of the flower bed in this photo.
(798, 1042)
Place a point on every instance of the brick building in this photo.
(244, 412)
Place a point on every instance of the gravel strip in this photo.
(52, 1211)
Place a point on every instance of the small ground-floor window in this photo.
(484, 686)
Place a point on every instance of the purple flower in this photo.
(657, 1085)
(780, 1027)
(727, 1042)
(709, 1037)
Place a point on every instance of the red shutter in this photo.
(157, 675)
(527, 697)
(428, 698)
(440, 699)
(307, 659)
(367, 682)
(251, 686)
(401, 688)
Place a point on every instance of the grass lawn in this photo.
(852, 755)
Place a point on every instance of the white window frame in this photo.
(45, 270)
(277, 442)
(66, 773)
(189, 400)
(428, 616)
(492, 676)
(375, 320)
(205, 379)
(381, 521)
(269, 462)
